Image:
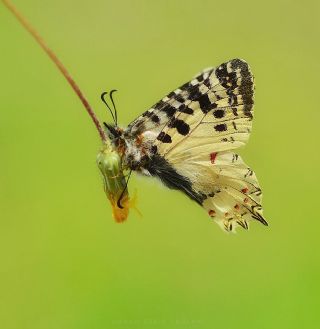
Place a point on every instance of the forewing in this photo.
(159, 115)
(217, 111)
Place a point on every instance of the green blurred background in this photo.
(64, 263)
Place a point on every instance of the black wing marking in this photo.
(218, 110)
(158, 116)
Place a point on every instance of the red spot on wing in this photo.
(213, 156)
(245, 190)
(211, 213)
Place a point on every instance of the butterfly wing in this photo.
(191, 148)
(158, 116)
(217, 111)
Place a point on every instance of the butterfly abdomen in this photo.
(159, 167)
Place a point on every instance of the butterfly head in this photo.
(115, 186)
(114, 133)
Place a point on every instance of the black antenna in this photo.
(106, 103)
(114, 107)
(122, 193)
(114, 113)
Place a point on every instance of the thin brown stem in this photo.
(60, 66)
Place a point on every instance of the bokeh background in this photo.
(64, 263)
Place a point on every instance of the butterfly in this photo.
(187, 140)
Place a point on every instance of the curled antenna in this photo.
(103, 95)
(122, 193)
(114, 111)
(114, 107)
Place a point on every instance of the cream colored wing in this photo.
(194, 146)
(231, 189)
(218, 111)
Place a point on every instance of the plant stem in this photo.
(60, 66)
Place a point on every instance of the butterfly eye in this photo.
(112, 131)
